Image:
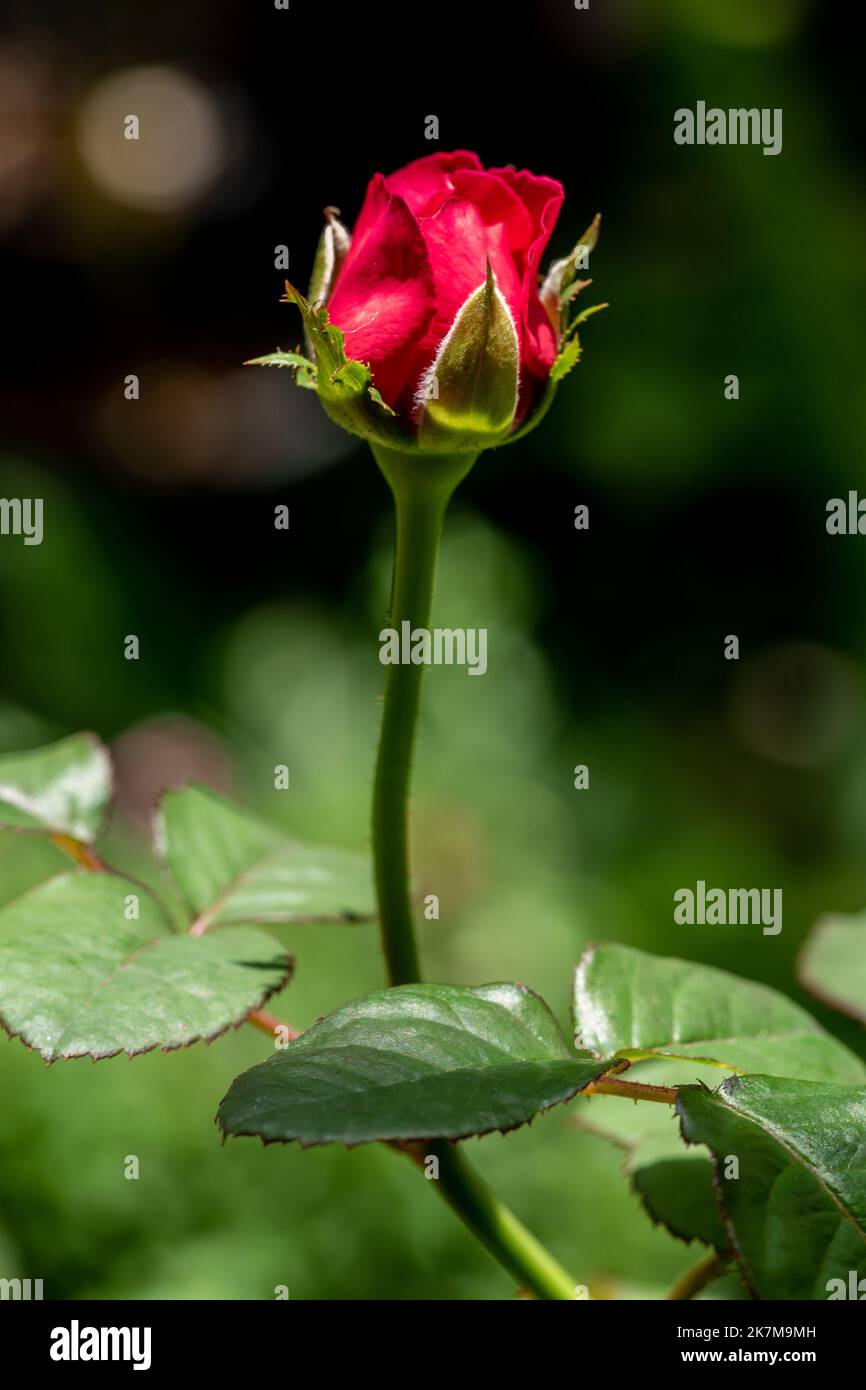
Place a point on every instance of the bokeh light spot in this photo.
(179, 153)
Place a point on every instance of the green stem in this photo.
(505, 1237)
(422, 486)
(695, 1280)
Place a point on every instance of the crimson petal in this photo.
(384, 297)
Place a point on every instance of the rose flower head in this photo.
(427, 328)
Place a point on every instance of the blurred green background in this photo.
(260, 647)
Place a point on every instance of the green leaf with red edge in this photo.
(633, 1005)
(678, 1022)
(231, 867)
(794, 1202)
(81, 977)
(414, 1062)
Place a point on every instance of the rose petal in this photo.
(499, 205)
(374, 207)
(384, 297)
(542, 197)
(476, 222)
(427, 182)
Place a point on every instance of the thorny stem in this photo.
(422, 488)
(632, 1090)
(697, 1279)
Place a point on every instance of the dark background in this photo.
(706, 518)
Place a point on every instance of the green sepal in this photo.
(377, 398)
(561, 283)
(331, 251)
(582, 317)
(570, 353)
(536, 416)
(469, 395)
(304, 369)
(563, 274)
(568, 357)
(344, 385)
(560, 289)
(573, 291)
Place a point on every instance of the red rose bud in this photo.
(427, 328)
